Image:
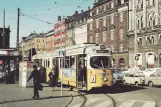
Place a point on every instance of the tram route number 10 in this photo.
(93, 78)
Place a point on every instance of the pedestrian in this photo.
(35, 74)
(42, 71)
(53, 77)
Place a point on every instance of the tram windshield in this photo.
(100, 62)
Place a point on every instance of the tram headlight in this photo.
(105, 79)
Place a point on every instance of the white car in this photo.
(137, 78)
(149, 71)
(155, 79)
(133, 70)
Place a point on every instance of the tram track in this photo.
(80, 95)
(112, 99)
(70, 101)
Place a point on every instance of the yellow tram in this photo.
(84, 66)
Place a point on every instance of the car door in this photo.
(132, 79)
(156, 79)
(126, 78)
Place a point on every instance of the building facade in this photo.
(59, 33)
(6, 37)
(148, 33)
(81, 27)
(70, 35)
(108, 25)
(34, 44)
(50, 41)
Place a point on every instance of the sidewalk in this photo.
(11, 95)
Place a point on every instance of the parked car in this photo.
(149, 71)
(155, 79)
(134, 78)
(133, 70)
(118, 75)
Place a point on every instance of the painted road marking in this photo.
(91, 101)
(127, 103)
(149, 104)
(77, 105)
(104, 104)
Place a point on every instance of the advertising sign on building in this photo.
(69, 73)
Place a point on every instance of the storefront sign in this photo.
(3, 52)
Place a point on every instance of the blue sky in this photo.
(45, 10)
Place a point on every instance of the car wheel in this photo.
(136, 84)
(124, 82)
(150, 84)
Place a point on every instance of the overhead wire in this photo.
(79, 6)
(35, 18)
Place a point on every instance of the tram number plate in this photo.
(93, 78)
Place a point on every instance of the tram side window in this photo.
(62, 63)
(72, 62)
(67, 62)
(48, 63)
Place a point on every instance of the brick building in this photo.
(50, 41)
(108, 24)
(60, 33)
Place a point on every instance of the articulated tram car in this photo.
(83, 66)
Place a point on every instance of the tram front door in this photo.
(80, 71)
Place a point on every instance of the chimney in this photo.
(89, 8)
(59, 18)
(82, 11)
(76, 12)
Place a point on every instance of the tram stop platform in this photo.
(11, 95)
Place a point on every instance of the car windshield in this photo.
(148, 70)
(117, 71)
(158, 70)
(100, 62)
(139, 75)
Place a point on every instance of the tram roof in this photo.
(72, 50)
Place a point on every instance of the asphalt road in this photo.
(11, 95)
(123, 96)
(118, 96)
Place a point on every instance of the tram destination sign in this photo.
(102, 51)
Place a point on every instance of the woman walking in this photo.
(53, 77)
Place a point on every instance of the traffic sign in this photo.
(61, 53)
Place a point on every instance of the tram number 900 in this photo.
(93, 78)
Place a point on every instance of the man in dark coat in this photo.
(36, 80)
